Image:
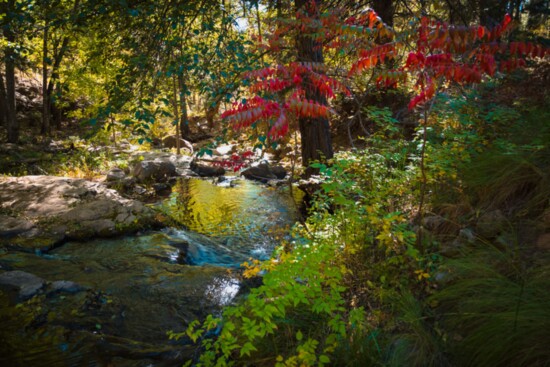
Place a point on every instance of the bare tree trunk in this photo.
(314, 132)
(45, 129)
(13, 126)
(176, 115)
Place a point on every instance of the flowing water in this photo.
(139, 287)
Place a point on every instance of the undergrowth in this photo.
(356, 286)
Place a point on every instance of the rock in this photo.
(206, 171)
(279, 171)
(432, 222)
(128, 182)
(10, 226)
(543, 242)
(65, 208)
(491, 224)
(92, 210)
(467, 234)
(171, 141)
(264, 172)
(26, 284)
(183, 249)
(139, 190)
(162, 188)
(154, 171)
(116, 174)
(65, 286)
(101, 227)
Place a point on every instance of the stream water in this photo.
(139, 287)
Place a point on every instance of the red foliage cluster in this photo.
(371, 57)
(236, 162)
(444, 53)
(462, 55)
(283, 78)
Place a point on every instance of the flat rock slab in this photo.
(10, 226)
(37, 209)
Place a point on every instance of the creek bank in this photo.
(39, 212)
(112, 300)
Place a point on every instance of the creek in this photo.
(135, 289)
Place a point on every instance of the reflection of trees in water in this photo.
(204, 207)
(243, 215)
(181, 208)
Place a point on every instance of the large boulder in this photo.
(156, 170)
(264, 172)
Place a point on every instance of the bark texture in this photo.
(314, 132)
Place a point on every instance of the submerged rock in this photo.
(26, 284)
(65, 286)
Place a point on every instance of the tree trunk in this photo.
(385, 10)
(184, 120)
(314, 132)
(13, 126)
(176, 114)
(491, 12)
(48, 85)
(3, 102)
(45, 129)
(57, 112)
(211, 110)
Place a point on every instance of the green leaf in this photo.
(299, 335)
(247, 348)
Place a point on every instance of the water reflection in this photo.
(222, 291)
(241, 219)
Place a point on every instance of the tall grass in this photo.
(496, 307)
